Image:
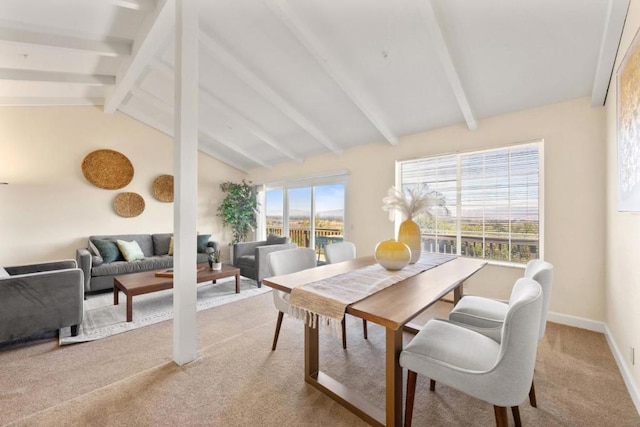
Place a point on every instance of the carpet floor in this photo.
(129, 379)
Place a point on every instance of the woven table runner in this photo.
(324, 302)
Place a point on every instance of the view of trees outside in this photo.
(498, 211)
(328, 217)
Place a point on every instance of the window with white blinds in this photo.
(492, 198)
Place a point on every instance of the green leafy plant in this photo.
(238, 210)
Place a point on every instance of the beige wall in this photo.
(574, 193)
(623, 232)
(49, 208)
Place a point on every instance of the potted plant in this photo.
(238, 209)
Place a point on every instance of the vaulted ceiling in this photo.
(284, 80)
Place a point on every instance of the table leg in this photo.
(457, 293)
(116, 293)
(394, 377)
(129, 308)
(311, 353)
(237, 283)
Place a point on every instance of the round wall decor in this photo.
(107, 169)
(163, 188)
(128, 205)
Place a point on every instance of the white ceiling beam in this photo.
(248, 124)
(98, 47)
(26, 100)
(331, 67)
(133, 4)
(55, 77)
(611, 35)
(158, 103)
(223, 56)
(167, 130)
(231, 113)
(437, 38)
(154, 32)
(230, 145)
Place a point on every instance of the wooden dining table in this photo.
(394, 308)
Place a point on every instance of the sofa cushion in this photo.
(170, 251)
(273, 239)
(246, 261)
(161, 243)
(144, 240)
(130, 250)
(96, 259)
(108, 250)
(203, 240)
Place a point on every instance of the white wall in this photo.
(623, 234)
(49, 208)
(574, 194)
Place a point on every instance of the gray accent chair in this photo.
(499, 373)
(41, 297)
(251, 257)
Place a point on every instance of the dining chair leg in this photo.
(432, 385)
(411, 394)
(364, 328)
(275, 336)
(516, 415)
(532, 396)
(344, 333)
(501, 416)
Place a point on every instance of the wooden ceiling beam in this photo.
(331, 67)
(611, 35)
(440, 44)
(222, 55)
(154, 32)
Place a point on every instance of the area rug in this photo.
(102, 319)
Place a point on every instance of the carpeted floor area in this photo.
(129, 379)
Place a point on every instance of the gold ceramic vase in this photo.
(392, 254)
(409, 234)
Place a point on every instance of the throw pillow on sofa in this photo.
(273, 239)
(203, 241)
(130, 250)
(108, 250)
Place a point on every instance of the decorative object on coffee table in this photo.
(128, 204)
(163, 188)
(107, 169)
(214, 258)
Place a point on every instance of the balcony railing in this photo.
(487, 247)
(302, 236)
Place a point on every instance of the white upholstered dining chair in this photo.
(339, 252)
(486, 315)
(285, 262)
(499, 373)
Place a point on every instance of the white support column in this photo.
(185, 342)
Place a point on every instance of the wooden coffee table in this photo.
(147, 282)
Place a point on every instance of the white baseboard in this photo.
(632, 387)
(578, 322)
(593, 325)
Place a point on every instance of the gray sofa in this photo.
(98, 275)
(42, 297)
(251, 257)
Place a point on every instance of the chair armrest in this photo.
(245, 248)
(261, 252)
(84, 260)
(43, 266)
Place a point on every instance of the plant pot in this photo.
(216, 266)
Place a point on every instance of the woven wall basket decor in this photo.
(163, 188)
(107, 169)
(128, 205)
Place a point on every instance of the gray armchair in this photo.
(251, 257)
(40, 297)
